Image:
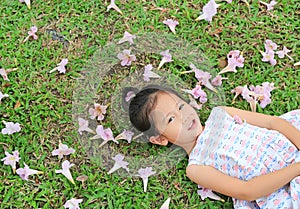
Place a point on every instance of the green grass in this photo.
(45, 110)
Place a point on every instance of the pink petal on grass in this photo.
(61, 66)
(167, 57)
(126, 58)
(148, 73)
(127, 135)
(144, 173)
(270, 45)
(4, 73)
(172, 24)
(112, 5)
(32, 33)
(204, 193)
(25, 172)
(129, 96)
(166, 204)
(62, 150)
(235, 59)
(105, 134)
(27, 2)
(11, 128)
(11, 159)
(73, 203)
(84, 126)
(284, 52)
(98, 111)
(209, 10)
(217, 81)
(66, 165)
(119, 163)
(269, 56)
(270, 5)
(3, 96)
(127, 37)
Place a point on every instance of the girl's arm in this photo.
(258, 187)
(269, 122)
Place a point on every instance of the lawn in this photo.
(47, 104)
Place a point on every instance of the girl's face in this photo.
(176, 120)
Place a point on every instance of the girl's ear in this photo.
(160, 140)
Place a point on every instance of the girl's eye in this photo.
(171, 119)
(181, 106)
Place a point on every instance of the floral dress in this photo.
(242, 150)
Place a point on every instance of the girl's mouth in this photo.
(193, 125)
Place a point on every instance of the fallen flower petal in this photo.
(194, 103)
(166, 204)
(32, 34)
(114, 6)
(209, 10)
(27, 2)
(269, 57)
(98, 111)
(217, 81)
(284, 52)
(125, 135)
(61, 66)
(167, 57)
(84, 126)
(172, 24)
(149, 74)
(4, 73)
(126, 58)
(204, 193)
(3, 96)
(62, 150)
(270, 45)
(270, 5)
(10, 128)
(235, 59)
(144, 173)
(237, 90)
(127, 37)
(26, 171)
(66, 165)
(119, 163)
(105, 134)
(73, 203)
(11, 159)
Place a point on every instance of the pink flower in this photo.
(284, 52)
(172, 24)
(105, 134)
(149, 74)
(204, 193)
(237, 90)
(4, 73)
(167, 57)
(235, 59)
(127, 135)
(127, 37)
(250, 97)
(26, 171)
(217, 81)
(166, 204)
(269, 57)
(194, 103)
(27, 2)
(62, 150)
(66, 165)
(32, 34)
(270, 5)
(119, 163)
(11, 159)
(73, 203)
(144, 173)
(197, 93)
(209, 10)
(237, 119)
(11, 128)
(270, 45)
(129, 96)
(112, 5)
(264, 92)
(3, 96)
(61, 66)
(98, 111)
(126, 58)
(84, 126)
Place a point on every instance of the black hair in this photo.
(141, 105)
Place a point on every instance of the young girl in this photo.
(249, 156)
